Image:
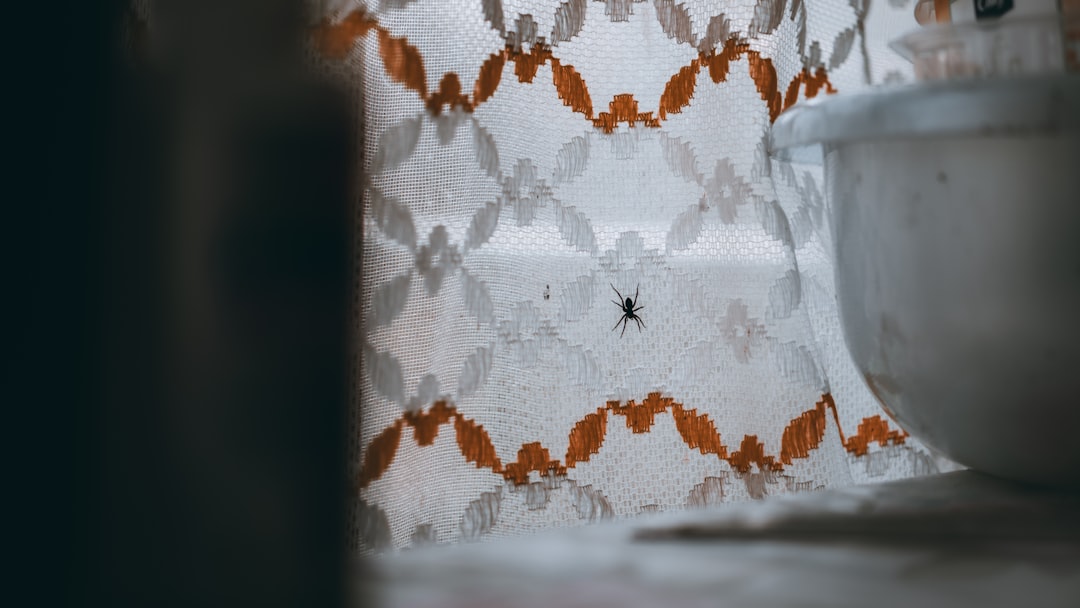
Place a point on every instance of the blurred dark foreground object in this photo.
(208, 268)
(958, 539)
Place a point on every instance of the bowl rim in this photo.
(1022, 104)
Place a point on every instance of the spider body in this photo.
(629, 310)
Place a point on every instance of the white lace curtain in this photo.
(523, 161)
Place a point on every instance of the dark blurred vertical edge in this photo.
(195, 272)
(64, 62)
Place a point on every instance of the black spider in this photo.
(629, 312)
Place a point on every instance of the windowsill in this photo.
(955, 539)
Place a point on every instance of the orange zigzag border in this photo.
(404, 64)
(800, 436)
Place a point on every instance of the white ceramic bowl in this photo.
(955, 217)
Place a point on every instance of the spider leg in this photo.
(617, 304)
(617, 293)
(625, 322)
(639, 322)
(639, 308)
(636, 290)
(617, 323)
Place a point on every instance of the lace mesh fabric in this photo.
(522, 161)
